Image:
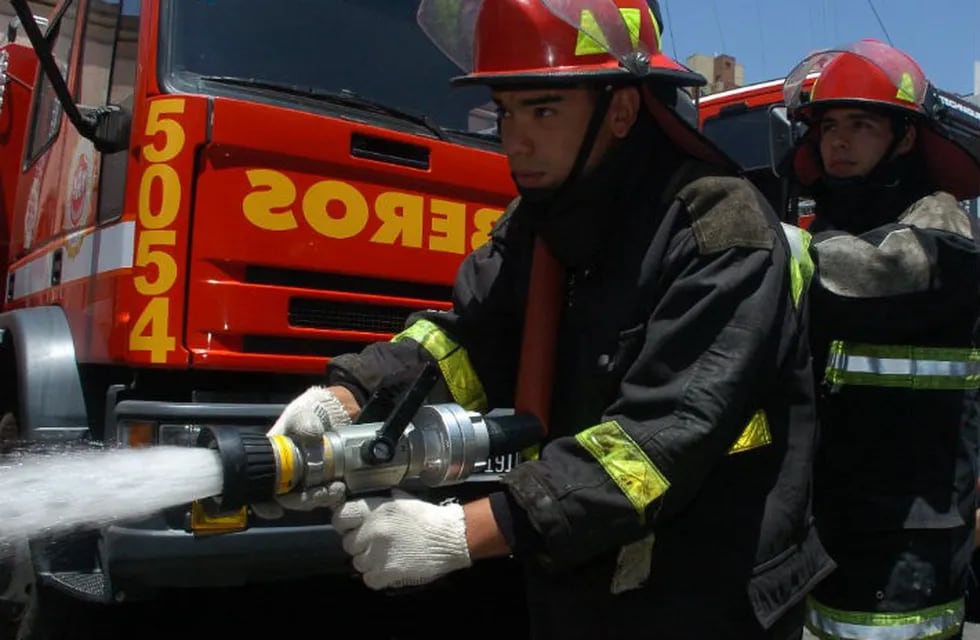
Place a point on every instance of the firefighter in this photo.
(893, 328)
(670, 498)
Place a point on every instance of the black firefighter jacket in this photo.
(672, 499)
(894, 332)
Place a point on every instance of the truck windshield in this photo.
(743, 135)
(371, 49)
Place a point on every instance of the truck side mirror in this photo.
(782, 138)
(106, 126)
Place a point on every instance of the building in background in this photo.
(722, 72)
(40, 8)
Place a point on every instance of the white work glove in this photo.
(306, 419)
(402, 541)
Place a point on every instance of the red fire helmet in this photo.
(536, 43)
(872, 74)
(560, 41)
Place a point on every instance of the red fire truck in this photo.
(203, 201)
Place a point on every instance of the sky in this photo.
(768, 37)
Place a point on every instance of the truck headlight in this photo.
(179, 435)
(136, 434)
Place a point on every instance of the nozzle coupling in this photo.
(257, 467)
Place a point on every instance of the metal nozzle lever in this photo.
(381, 449)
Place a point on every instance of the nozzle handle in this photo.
(382, 448)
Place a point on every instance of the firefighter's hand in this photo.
(316, 410)
(306, 419)
(402, 541)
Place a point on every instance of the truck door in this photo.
(39, 192)
(108, 76)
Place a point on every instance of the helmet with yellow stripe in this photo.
(537, 43)
(873, 75)
(867, 73)
(551, 41)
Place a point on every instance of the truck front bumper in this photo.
(139, 558)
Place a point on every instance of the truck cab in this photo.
(203, 202)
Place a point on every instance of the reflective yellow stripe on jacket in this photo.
(942, 621)
(632, 470)
(800, 261)
(926, 368)
(453, 361)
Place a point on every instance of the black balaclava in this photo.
(861, 203)
(575, 218)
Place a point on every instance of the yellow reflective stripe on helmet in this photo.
(800, 262)
(453, 361)
(906, 88)
(633, 19)
(625, 462)
(656, 29)
(941, 621)
(756, 434)
(589, 30)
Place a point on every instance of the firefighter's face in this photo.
(541, 130)
(853, 141)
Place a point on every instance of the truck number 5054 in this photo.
(160, 197)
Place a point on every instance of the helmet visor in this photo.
(904, 74)
(451, 25)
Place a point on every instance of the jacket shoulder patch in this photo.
(939, 211)
(725, 213)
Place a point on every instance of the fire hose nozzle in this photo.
(442, 445)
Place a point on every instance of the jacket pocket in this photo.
(613, 365)
(781, 582)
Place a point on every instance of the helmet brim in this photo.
(661, 69)
(804, 112)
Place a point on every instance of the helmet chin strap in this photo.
(545, 195)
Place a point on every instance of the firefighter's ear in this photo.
(623, 111)
(907, 143)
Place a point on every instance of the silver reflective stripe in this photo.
(910, 367)
(943, 621)
(896, 366)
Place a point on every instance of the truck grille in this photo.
(337, 282)
(328, 314)
(274, 345)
